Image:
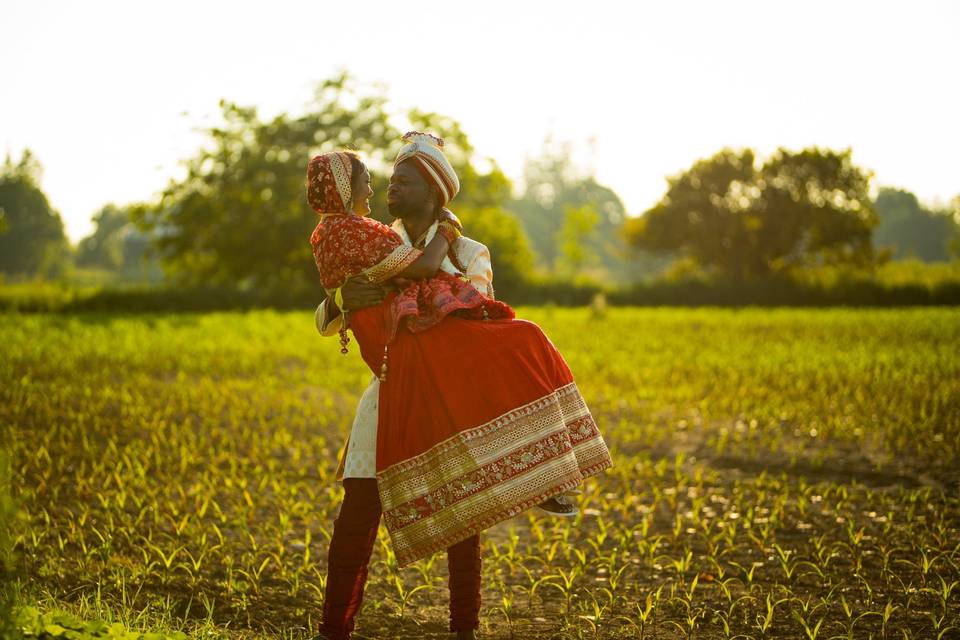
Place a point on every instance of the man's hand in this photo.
(358, 293)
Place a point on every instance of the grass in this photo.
(779, 474)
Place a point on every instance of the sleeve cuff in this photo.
(398, 260)
(327, 327)
(480, 272)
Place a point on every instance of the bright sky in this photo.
(108, 94)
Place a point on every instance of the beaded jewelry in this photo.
(383, 365)
(345, 323)
(344, 338)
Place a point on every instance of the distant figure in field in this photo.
(474, 416)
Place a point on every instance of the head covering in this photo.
(329, 177)
(427, 151)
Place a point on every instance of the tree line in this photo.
(239, 217)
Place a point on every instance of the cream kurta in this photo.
(360, 460)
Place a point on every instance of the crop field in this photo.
(778, 474)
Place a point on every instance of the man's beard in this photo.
(399, 208)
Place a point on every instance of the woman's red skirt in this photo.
(478, 421)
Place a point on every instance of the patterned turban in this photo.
(427, 151)
(329, 177)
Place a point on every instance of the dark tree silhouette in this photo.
(796, 209)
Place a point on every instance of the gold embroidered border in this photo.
(592, 456)
(484, 475)
(469, 449)
(481, 478)
(566, 399)
(340, 168)
(589, 457)
(484, 510)
(497, 503)
(398, 260)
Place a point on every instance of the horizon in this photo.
(704, 78)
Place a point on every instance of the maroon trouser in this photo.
(354, 534)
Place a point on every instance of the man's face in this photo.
(408, 193)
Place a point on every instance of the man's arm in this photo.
(432, 256)
(358, 293)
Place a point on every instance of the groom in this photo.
(423, 182)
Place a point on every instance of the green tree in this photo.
(574, 239)
(509, 248)
(552, 187)
(104, 247)
(911, 230)
(954, 244)
(117, 244)
(32, 239)
(796, 209)
(240, 216)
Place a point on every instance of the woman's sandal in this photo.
(560, 506)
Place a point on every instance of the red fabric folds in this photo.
(479, 415)
(346, 245)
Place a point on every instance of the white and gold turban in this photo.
(427, 151)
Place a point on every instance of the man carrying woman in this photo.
(478, 414)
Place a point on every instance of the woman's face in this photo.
(361, 193)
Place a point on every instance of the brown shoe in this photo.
(560, 506)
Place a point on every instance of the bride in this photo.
(479, 415)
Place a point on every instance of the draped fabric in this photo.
(359, 459)
(479, 418)
(329, 183)
(346, 245)
(477, 422)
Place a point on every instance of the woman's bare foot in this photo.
(560, 506)
(469, 634)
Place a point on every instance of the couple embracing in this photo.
(472, 417)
